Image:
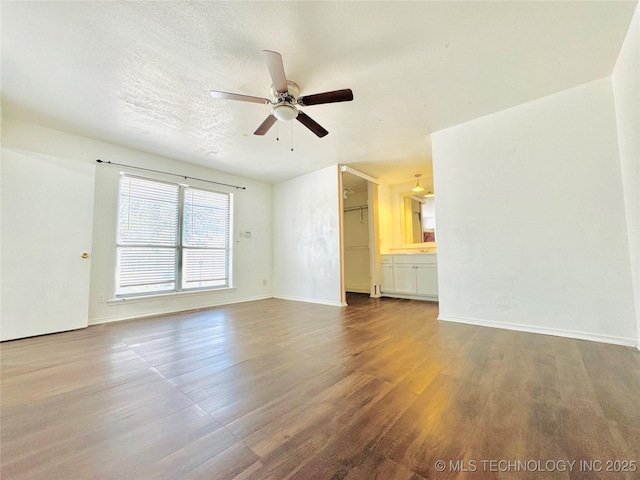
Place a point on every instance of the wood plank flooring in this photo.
(274, 389)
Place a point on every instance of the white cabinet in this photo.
(427, 280)
(404, 278)
(387, 277)
(410, 276)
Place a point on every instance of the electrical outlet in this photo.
(264, 282)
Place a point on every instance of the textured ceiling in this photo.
(139, 74)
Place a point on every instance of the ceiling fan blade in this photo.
(276, 70)
(345, 95)
(311, 124)
(266, 125)
(237, 96)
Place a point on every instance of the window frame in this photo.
(179, 246)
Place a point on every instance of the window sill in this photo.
(164, 296)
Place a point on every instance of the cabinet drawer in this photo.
(415, 258)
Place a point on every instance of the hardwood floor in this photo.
(274, 389)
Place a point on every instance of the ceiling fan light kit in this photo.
(286, 100)
(285, 111)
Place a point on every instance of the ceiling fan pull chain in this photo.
(277, 131)
(292, 136)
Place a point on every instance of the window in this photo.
(171, 238)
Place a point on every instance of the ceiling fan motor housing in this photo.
(284, 108)
(293, 90)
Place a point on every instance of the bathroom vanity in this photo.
(410, 275)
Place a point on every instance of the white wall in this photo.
(626, 90)
(252, 212)
(398, 193)
(385, 219)
(306, 238)
(531, 221)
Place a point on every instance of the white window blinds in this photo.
(171, 237)
(205, 239)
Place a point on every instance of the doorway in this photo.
(359, 244)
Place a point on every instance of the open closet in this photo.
(358, 233)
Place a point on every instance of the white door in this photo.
(47, 221)
(357, 275)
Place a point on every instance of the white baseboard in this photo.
(357, 290)
(593, 337)
(169, 311)
(310, 300)
(427, 298)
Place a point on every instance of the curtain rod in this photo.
(169, 173)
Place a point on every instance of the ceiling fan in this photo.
(285, 101)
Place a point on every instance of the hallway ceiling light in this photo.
(417, 188)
